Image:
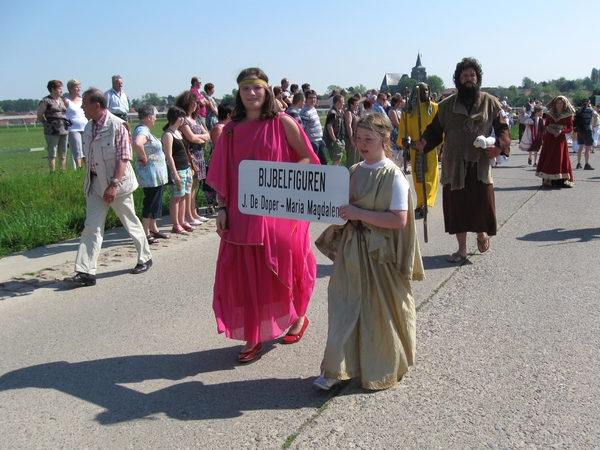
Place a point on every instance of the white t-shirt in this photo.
(400, 187)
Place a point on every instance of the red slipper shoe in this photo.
(250, 354)
(293, 338)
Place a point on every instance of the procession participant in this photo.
(532, 138)
(116, 100)
(270, 259)
(376, 254)
(465, 121)
(420, 105)
(109, 183)
(554, 166)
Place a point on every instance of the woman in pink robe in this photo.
(266, 269)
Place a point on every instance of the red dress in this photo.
(266, 268)
(554, 162)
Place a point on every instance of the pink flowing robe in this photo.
(266, 268)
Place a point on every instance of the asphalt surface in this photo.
(508, 345)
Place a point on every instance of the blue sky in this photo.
(157, 46)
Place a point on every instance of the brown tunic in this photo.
(468, 195)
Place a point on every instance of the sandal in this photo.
(483, 245)
(456, 258)
(177, 230)
(151, 240)
(159, 235)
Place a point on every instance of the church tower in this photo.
(419, 72)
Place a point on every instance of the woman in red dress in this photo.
(554, 166)
(266, 268)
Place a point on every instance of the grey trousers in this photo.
(93, 233)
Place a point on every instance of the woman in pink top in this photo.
(266, 269)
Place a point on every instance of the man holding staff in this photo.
(465, 122)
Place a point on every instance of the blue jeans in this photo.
(319, 149)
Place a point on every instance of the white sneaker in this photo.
(204, 219)
(325, 383)
(196, 222)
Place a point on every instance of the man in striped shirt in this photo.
(312, 125)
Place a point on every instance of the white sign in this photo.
(293, 191)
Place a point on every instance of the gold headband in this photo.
(253, 81)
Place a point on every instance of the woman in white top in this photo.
(75, 113)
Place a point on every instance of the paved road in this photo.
(507, 351)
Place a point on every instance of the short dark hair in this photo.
(194, 79)
(297, 97)
(95, 96)
(310, 92)
(468, 63)
(337, 98)
(305, 87)
(269, 109)
(53, 84)
(352, 100)
(174, 113)
(224, 110)
(208, 87)
(293, 87)
(146, 110)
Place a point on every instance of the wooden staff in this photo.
(421, 163)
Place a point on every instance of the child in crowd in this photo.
(376, 254)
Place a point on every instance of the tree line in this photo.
(577, 89)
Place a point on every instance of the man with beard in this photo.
(419, 105)
(465, 121)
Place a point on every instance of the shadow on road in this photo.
(103, 382)
(561, 235)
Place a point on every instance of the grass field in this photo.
(38, 207)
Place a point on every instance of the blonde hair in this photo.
(380, 125)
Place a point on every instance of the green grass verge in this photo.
(39, 208)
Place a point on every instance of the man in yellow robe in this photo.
(409, 127)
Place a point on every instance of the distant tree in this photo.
(595, 77)
(331, 88)
(19, 106)
(153, 99)
(527, 83)
(229, 99)
(578, 96)
(135, 104)
(360, 89)
(406, 82)
(436, 84)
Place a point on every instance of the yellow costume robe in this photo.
(432, 176)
